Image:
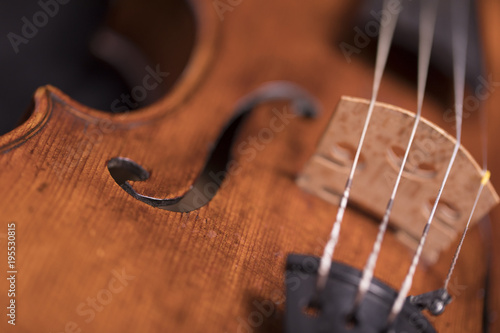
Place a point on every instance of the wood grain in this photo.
(326, 173)
(93, 259)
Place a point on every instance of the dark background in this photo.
(57, 54)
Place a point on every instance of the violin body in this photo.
(91, 258)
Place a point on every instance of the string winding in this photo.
(384, 43)
(428, 12)
(460, 18)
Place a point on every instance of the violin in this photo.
(178, 210)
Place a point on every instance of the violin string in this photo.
(460, 12)
(484, 137)
(428, 12)
(384, 43)
(484, 181)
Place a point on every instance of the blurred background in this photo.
(90, 49)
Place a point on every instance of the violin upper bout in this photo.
(207, 26)
(37, 116)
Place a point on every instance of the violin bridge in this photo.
(325, 174)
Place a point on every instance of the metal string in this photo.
(428, 12)
(384, 43)
(484, 181)
(460, 16)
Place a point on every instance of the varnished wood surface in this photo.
(489, 11)
(205, 271)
